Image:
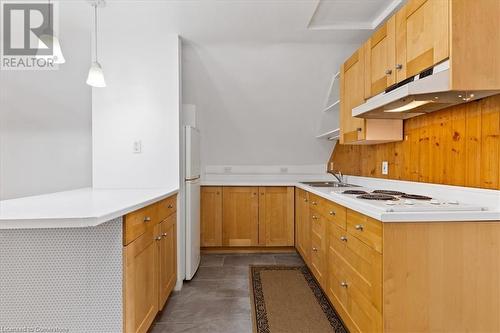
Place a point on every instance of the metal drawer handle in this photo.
(359, 227)
(388, 72)
(399, 66)
(332, 213)
(314, 203)
(315, 249)
(343, 238)
(147, 219)
(158, 238)
(314, 217)
(344, 284)
(164, 235)
(170, 206)
(305, 200)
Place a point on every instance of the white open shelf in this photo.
(329, 120)
(331, 107)
(330, 135)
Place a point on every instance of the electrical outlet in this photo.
(137, 148)
(385, 167)
(227, 169)
(284, 170)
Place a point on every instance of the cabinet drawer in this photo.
(365, 263)
(330, 210)
(334, 213)
(136, 223)
(366, 229)
(314, 201)
(317, 223)
(167, 207)
(346, 287)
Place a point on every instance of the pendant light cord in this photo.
(95, 15)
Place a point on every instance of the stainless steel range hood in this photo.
(422, 95)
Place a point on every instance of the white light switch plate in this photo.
(137, 148)
(385, 167)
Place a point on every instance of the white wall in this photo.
(259, 104)
(141, 101)
(45, 118)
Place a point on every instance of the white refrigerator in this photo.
(192, 199)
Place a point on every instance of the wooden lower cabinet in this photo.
(149, 264)
(404, 277)
(141, 283)
(318, 247)
(240, 216)
(345, 259)
(355, 280)
(167, 259)
(247, 216)
(211, 216)
(442, 277)
(302, 224)
(276, 216)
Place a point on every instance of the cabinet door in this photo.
(302, 224)
(352, 94)
(380, 54)
(167, 259)
(211, 216)
(276, 216)
(240, 216)
(422, 28)
(141, 282)
(318, 248)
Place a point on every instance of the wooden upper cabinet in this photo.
(211, 216)
(475, 45)
(240, 216)
(276, 216)
(380, 55)
(352, 91)
(422, 28)
(352, 94)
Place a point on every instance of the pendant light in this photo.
(47, 39)
(96, 74)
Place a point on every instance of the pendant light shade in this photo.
(96, 74)
(45, 42)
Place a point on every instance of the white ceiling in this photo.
(352, 14)
(259, 21)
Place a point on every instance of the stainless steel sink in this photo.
(327, 184)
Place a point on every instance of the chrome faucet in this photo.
(338, 175)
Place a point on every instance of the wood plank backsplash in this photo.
(459, 145)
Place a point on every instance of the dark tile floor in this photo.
(217, 300)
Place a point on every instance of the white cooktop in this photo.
(412, 205)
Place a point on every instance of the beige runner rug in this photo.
(287, 299)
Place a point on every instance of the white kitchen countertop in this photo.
(490, 199)
(84, 207)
